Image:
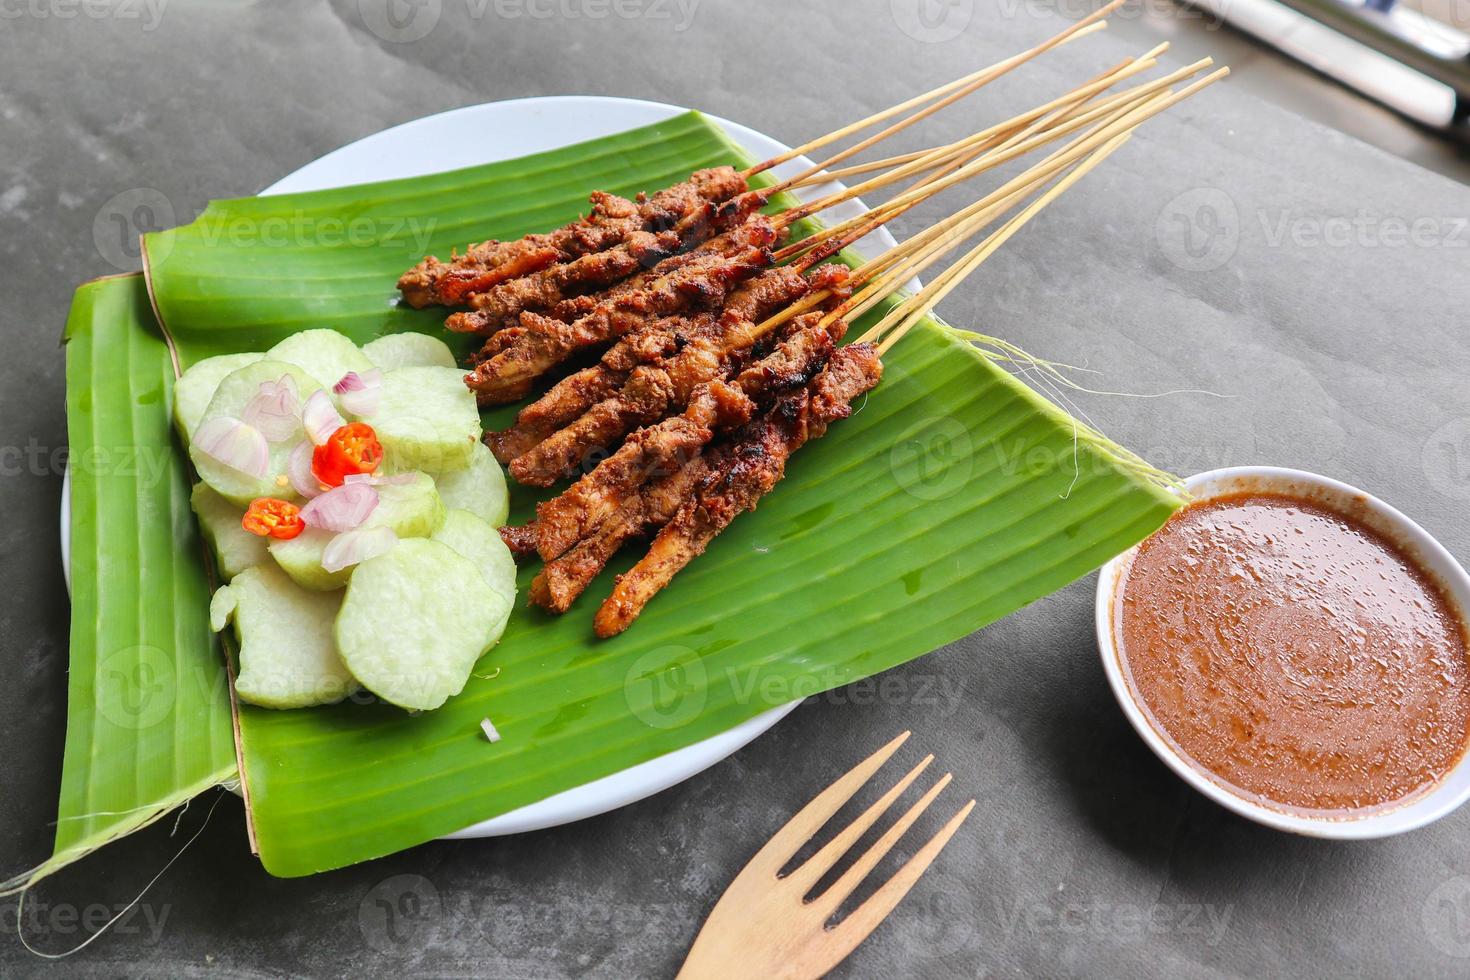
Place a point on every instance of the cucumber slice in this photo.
(426, 420)
(400, 350)
(479, 489)
(414, 622)
(324, 354)
(480, 543)
(235, 549)
(288, 654)
(197, 385)
(301, 558)
(230, 399)
(412, 509)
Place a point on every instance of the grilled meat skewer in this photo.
(706, 281)
(611, 220)
(665, 382)
(739, 473)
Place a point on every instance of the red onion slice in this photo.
(235, 444)
(359, 394)
(355, 547)
(275, 410)
(320, 417)
(298, 470)
(341, 508)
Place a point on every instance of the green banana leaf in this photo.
(954, 496)
(148, 705)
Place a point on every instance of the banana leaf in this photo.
(148, 706)
(954, 496)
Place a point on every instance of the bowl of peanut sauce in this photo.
(1298, 651)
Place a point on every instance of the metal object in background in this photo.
(1413, 63)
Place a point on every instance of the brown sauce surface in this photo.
(1295, 654)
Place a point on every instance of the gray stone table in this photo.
(1230, 247)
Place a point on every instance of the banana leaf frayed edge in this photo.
(115, 298)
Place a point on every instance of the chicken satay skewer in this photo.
(1058, 158)
(509, 374)
(566, 402)
(487, 264)
(737, 480)
(576, 556)
(650, 390)
(565, 522)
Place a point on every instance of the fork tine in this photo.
(799, 829)
(830, 899)
(845, 936)
(821, 862)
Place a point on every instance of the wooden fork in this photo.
(766, 926)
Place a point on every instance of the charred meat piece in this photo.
(520, 539)
(660, 384)
(705, 282)
(740, 472)
(540, 290)
(655, 389)
(649, 453)
(561, 581)
(611, 220)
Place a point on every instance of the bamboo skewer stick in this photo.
(1062, 110)
(1085, 91)
(893, 327)
(1112, 110)
(948, 100)
(880, 276)
(1113, 115)
(1069, 108)
(1087, 25)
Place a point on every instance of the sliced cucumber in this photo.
(288, 652)
(479, 489)
(426, 420)
(414, 622)
(230, 399)
(235, 549)
(301, 558)
(400, 350)
(324, 354)
(196, 387)
(480, 543)
(412, 509)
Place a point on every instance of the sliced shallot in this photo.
(354, 547)
(360, 393)
(320, 417)
(235, 444)
(275, 410)
(341, 508)
(298, 470)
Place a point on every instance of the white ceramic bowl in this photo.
(1420, 809)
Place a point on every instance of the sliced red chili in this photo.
(270, 517)
(353, 448)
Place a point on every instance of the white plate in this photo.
(498, 131)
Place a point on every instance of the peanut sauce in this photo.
(1295, 654)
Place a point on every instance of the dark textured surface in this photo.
(1343, 353)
